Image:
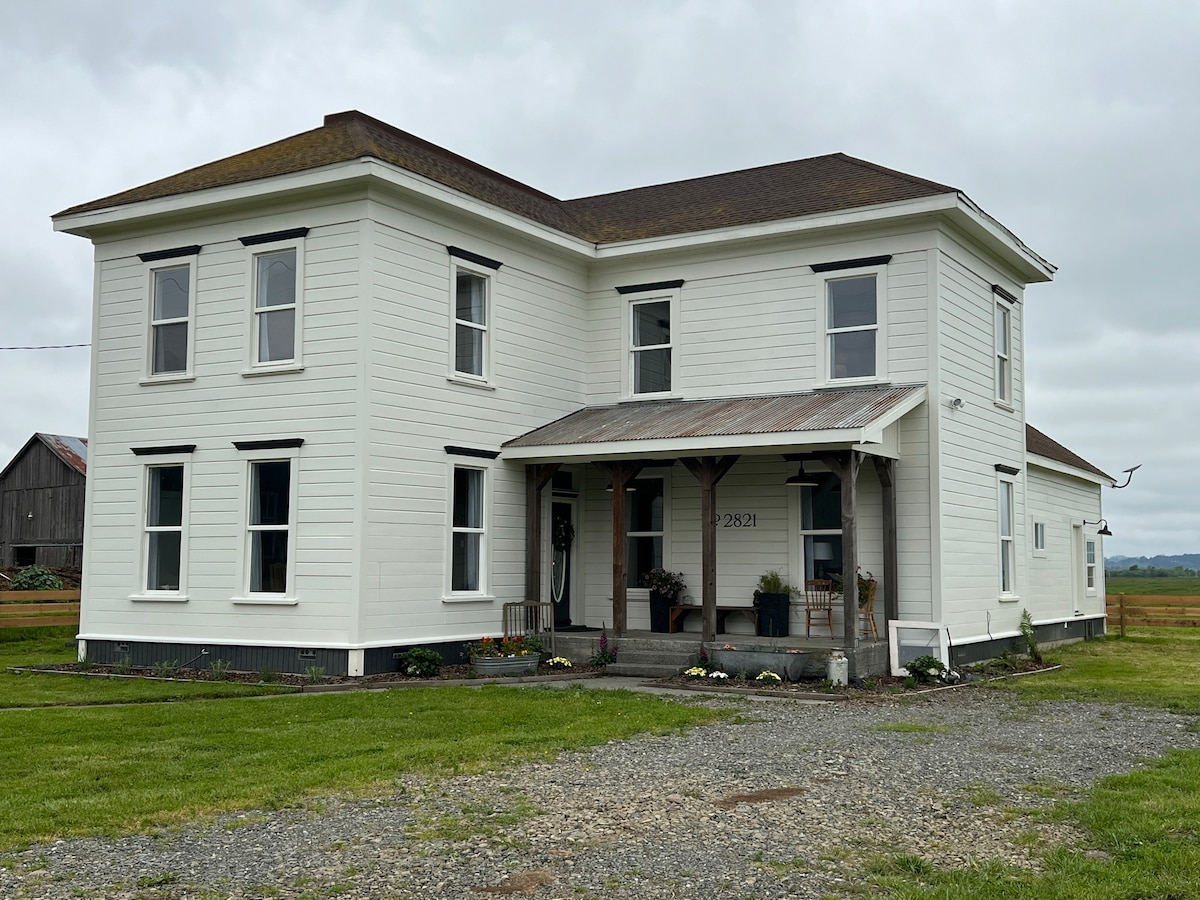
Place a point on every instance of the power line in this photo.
(47, 347)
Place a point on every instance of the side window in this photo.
(163, 541)
(275, 306)
(468, 532)
(650, 346)
(852, 327)
(471, 302)
(1008, 562)
(1039, 538)
(1090, 565)
(170, 320)
(1003, 332)
(269, 527)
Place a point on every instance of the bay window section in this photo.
(468, 534)
(163, 548)
(852, 327)
(275, 306)
(651, 346)
(269, 526)
(644, 529)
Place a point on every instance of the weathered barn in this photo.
(41, 503)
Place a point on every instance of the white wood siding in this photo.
(1056, 586)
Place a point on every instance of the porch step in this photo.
(642, 670)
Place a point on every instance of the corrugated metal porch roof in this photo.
(668, 420)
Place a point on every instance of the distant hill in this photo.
(1184, 560)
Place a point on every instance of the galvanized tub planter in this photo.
(505, 665)
(788, 666)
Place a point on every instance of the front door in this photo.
(562, 552)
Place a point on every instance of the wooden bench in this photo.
(679, 613)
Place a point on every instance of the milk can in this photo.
(839, 668)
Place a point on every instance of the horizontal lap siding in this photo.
(1058, 501)
(218, 407)
(973, 440)
(537, 324)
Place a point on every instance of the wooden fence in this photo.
(1150, 609)
(34, 609)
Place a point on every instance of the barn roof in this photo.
(73, 451)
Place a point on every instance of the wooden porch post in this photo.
(847, 471)
(885, 467)
(620, 474)
(708, 471)
(536, 478)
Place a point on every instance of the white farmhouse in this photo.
(352, 392)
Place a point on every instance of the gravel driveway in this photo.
(791, 800)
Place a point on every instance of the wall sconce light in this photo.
(30, 516)
(957, 403)
(1103, 523)
(800, 479)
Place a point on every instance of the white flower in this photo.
(720, 676)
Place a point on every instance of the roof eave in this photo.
(1053, 465)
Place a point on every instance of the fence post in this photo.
(1121, 602)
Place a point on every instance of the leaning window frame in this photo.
(1006, 543)
(484, 378)
(255, 366)
(484, 591)
(152, 269)
(140, 591)
(267, 598)
(630, 351)
(1002, 358)
(824, 354)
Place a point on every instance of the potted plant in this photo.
(517, 655)
(666, 590)
(866, 588)
(773, 602)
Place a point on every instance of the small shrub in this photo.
(123, 666)
(421, 662)
(314, 674)
(36, 578)
(1027, 636)
(165, 668)
(219, 669)
(925, 668)
(267, 676)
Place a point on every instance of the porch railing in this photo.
(530, 619)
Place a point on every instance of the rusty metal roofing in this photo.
(71, 450)
(1041, 445)
(668, 419)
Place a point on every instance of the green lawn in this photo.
(1171, 587)
(39, 646)
(110, 769)
(1141, 828)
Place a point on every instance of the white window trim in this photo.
(1006, 543)
(484, 594)
(489, 317)
(1092, 568)
(140, 592)
(1035, 526)
(1003, 383)
(641, 592)
(150, 376)
(823, 356)
(628, 352)
(289, 596)
(296, 364)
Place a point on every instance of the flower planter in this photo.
(774, 614)
(789, 666)
(660, 612)
(504, 665)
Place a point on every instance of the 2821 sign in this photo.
(736, 520)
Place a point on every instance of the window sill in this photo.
(468, 598)
(182, 378)
(263, 600)
(1039, 554)
(288, 369)
(1009, 598)
(642, 398)
(839, 383)
(1007, 407)
(467, 381)
(158, 598)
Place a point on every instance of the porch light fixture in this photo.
(1103, 523)
(800, 479)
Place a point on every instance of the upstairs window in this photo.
(1003, 327)
(170, 320)
(470, 323)
(275, 306)
(852, 327)
(651, 346)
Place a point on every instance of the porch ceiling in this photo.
(663, 428)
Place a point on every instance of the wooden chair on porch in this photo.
(818, 601)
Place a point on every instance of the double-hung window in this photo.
(275, 292)
(650, 346)
(1003, 333)
(170, 320)
(821, 527)
(270, 527)
(163, 546)
(645, 524)
(468, 532)
(1089, 565)
(1008, 562)
(471, 291)
(852, 326)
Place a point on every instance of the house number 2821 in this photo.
(737, 520)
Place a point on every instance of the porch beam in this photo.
(709, 470)
(536, 479)
(620, 474)
(845, 466)
(885, 468)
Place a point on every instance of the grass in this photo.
(108, 770)
(1143, 829)
(1171, 587)
(913, 728)
(43, 646)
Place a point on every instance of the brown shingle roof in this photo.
(1041, 445)
(763, 194)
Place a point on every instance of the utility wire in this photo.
(47, 347)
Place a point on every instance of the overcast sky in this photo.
(1077, 124)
